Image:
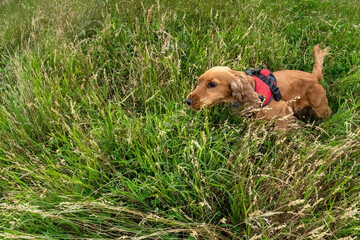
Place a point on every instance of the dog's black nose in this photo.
(189, 101)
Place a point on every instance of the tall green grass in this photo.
(96, 142)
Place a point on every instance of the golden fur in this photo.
(300, 92)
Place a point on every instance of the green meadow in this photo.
(96, 141)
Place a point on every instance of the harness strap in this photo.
(267, 77)
(236, 105)
(265, 85)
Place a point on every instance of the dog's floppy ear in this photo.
(242, 90)
(237, 90)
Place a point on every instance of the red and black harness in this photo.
(265, 85)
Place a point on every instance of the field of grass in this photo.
(96, 141)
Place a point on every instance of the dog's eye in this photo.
(212, 85)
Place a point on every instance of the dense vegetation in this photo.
(96, 141)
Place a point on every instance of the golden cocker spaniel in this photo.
(300, 92)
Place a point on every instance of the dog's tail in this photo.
(319, 60)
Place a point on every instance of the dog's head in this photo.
(222, 85)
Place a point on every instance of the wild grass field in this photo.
(96, 141)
